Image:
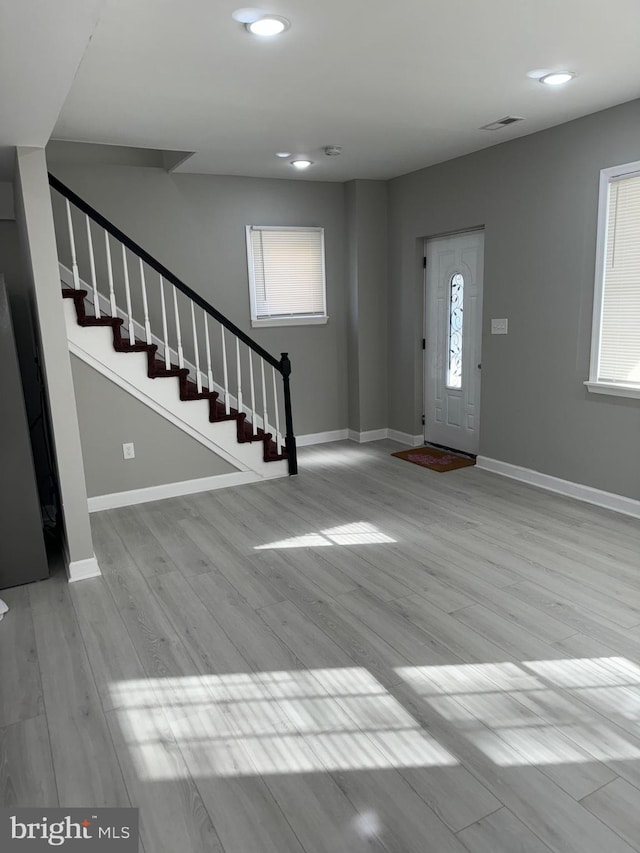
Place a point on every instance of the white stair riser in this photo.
(94, 345)
(66, 277)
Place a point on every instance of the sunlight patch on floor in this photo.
(338, 719)
(269, 723)
(348, 456)
(357, 533)
(536, 713)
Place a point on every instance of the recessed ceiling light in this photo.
(301, 164)
(283, 154)
(557, 78)
(268, 25)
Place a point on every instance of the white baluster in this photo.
(145, 305)
(254, 425)
(225, 372)
(72, 245)
(178, 332)
(239, 375)
(92, 267)
(195, 349)
(112, 293)
(127, 290)
(165, 333)
(208, 346)
(265, 418)
(277, 416)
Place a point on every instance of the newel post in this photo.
(289, 439)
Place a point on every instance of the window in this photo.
(615, 347)
(456, 302)
(286, 275)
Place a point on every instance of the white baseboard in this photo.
(368, 435)
(360, 437)
(80, 570)
(171, 490)
(405, 438)
(379, 434)
(607, 500)
(322, 437)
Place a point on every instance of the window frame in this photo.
(593, 384)
(293, 319)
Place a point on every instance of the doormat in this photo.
(435, 459)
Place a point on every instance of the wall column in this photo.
(35, 223)
(366, 218)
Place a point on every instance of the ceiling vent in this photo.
(502, 122)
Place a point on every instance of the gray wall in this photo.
(195, 225)
(109, 417)
(366, 218)
(537, 198)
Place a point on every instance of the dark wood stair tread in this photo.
(157, 369)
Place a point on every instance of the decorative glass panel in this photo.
(456, 298)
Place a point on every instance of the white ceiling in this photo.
(41, 45)
(399, 85)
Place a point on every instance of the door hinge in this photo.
(424, 343)
(424, 263)
(423, 420)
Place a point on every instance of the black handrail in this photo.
(283, 366)
(289, 439)
(99, 219)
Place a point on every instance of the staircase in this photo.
(165, 370)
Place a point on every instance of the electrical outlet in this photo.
(499, 327)
(128, 451)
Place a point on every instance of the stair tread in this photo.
(92, 320)
(157, 369)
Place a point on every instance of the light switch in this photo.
(128, 451)
(499, 327)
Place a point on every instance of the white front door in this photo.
(453, 282)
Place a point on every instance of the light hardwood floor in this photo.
(369, 657)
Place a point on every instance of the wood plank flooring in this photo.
(368, 657)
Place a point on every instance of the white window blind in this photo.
(619, 356)
(286, 274)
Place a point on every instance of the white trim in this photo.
(360, 437)
(322, 437)
(67, 277)
(607, 500)
(405, 438)
(293, 320)
(171, 490)
(80, 570)
(607, 176)
(94, 345)
(368, 435)
(598, 287)
(122, 382)
(613, 388)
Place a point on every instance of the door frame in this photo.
(425, 297)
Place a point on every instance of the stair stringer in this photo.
(128, 370)
(66, 277)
